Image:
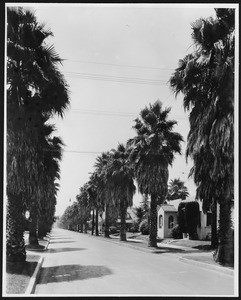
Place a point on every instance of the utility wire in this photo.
(120, 79)
(114, 113)
(76, 151)
(119, 65)
(97, 152)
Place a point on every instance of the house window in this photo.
(209, 219)
(160, 221)
(170, 222)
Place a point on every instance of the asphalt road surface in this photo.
(79, 264)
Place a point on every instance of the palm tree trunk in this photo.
(96, 222)
(86, 226)
(153, 222)
(15, 229)
(123, 222)
(41, 229)
(214, 238)
(93, 221)
(107, 232)
(224, 254)
(33, 227)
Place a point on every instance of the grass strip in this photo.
(18, 274)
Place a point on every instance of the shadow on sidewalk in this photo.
(71, 272)
(63, 242)
(66, 249)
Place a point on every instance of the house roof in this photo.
(169, 208)
(176, 202)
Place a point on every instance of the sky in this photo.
(118, 59)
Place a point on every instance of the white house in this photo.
(167, 219)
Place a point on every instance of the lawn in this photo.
(18, 274)
(201, 245)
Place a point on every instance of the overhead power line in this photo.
(122, 79)
(120, 65)
(115, 113)
(76, 151)
(97, 152)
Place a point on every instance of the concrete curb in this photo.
(112, 240)
(187, 260)
(225, 270)
(32, 283)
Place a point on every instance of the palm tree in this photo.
(177, 189)
(36, 89)
(93, 202)
(120, 176)
(83, 207)
(151, 152)
(52, 154)
(103, 187)
(206, 78)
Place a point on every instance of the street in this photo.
(79, 264)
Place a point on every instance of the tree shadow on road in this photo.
(59, 242)
(60, 238)
(71, 272)
(65, 249)
(167, 250)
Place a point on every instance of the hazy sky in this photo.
(118, 59)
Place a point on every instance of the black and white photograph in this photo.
(120, 174)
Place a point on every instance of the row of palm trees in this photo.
(206, 79)
(36, 90)
(144, 159)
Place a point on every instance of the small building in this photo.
(167, 219)
(130, 216)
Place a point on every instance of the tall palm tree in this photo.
(206, 78)
(120, 175)
(83, 207)
(177, 189)
(93, 202)
(52, 153)
(36, 89)
(151, 152)
(103, 187)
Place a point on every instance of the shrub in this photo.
(134, 227)
(188, 218)
(144, 227)
(181, 220)
(192, 218)
(176, 232)
(208, 237)
(113, 230)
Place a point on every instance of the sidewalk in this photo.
(43, 246)
(190, 255)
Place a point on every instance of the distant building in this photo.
(130, 218)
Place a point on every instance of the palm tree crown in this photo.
(153, 149)
(177, 189)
